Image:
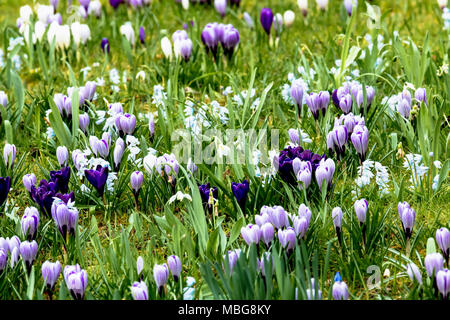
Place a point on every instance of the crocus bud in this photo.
(301, 225)
(434, 262)
(361, 210)
(166, 47)
(278, 23)
(442, 3)
(350, 5)
(80, 33)
(443, 282)
(248, 19)
(407, 217)
(230, 40)
(60, 34)
(63, 155)
(443, 241)
(267, 233)
(221, 7)
(126, 124)
(30, 222)
(345, 103)
(161, 275)
(65, 217)
(322, 4)
(303, 5)
(314, 104)
(84, 122)
(288, 238)
(95, 8)
(127, 31)
(240, 191)
(278, 217)
(50, 273)
(210, 39)
(28, 251)
(413, 272)
(360, 140)
(266, 19)
(421, 95)
(340, 288)
(9, 155)
(76, 281)
(174, 263)
(297, 91)
(105, 45)
(29, 180)
(232, 256)
(136, 180)
(142, 35)
(336, 214)
(118, 153)
(325, 172)
(98, 178)
(54, 3)
(3, 259)
(140, 266)
(404, 108)
(288, 18)
(139, 291)
(251, 234)
(3, 99)
(185, 49)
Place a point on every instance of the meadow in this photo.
(240, 149)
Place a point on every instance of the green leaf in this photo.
(431, 246)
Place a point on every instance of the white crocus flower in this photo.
(166, 47)
(127, 30)
(61, 34)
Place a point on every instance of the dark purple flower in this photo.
(97, 178)
(230, 40)
(209, 38)
(266, 19)
(105, 45)
(115, 3)
(142, 34)
(61, 179)
(44, 194)
(5, 185)
(205, 191)
(240, 191)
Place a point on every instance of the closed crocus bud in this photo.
(340, 138)
(443, 283)
(288, 238)
(313, 102)
(175, 266)
(84, 122)
(210, 39)
(361, 210)
(407, 217)
(60, 34)
(127, 31)
(65, 217)
(443, 241)
(88, 91)
(345, 103)
(50, 273)
(54, 3)
(28, 252)
(421, 95)
(118, 153)
(185, 49)
(9, 155)
(295, 138)
(161, 275)
(278, 217)
(80, 33)
(336, 214)
(251, 234)
(29, 180)
(62, 154)
(266, 19)
(404, 108)
(95, 8)
(76, 281)
(115, 3)
(139, 291)
(413, 272)
(230, 41)
(185, 4)
(136, 179)
(324, 101)
(360, 140)
(303, 5)
(140, 266)
(166, 47)
(240, 191)
(288, 18)
(105, 45)
(350, 5)
(301, 225)
(3, 99)
(30, 222)
(297, 91)
(322, 4)
(267, 233)
(434, 262)
(248, 19)
(221, 7)
(340, 288)
(142, 35)
(3, 259)
(325, 172)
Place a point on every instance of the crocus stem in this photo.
(408, 246)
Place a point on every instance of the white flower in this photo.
(185, 4)
(44, 12)
(80, 33)
(60, 34)
(25, 13)
(127, 30)
(140, 75)
(180, 196)
(39, 30)
(288, 18)
(166, 47)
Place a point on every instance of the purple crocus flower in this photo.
(345, 103)
(230, 40)
(44, 194)
(206, 191)
(297, 91)
(337, 215)
(185, 47)
(340, 138)
(76, 281)
(325, 172)
(9, 155)
(361, 210)
(350, 5)
(100, 147)
(340, 288)
(50, 273)
(360, 140)
(421, 95)
(139, 291)
(301, 225)
(267, 233)
(210, 39)
(84, 122)
(161, 275)
(443, 241)
(61, 179)
(140, 267)
(434, 262)
(3, 259)
(443, 283)
(314, 103)
(105, 42)
(288, 238)
(324, 101)
(84, 3)
(88, 91)
(232, 256)
(29, 180)
(115, 3)
(221, 7)
(62, 154)
(240, 191)
(175, 266)
(413, 272)
(118, 153)
(30, 223)
(5, 185)
(404, 108)
(407, 216)
(142, 35)
(251, 233)
(126, 124)
(266, 19)
(98, 178)
(65, 217)
(28, 252)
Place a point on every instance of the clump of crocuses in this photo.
(352, 93)
(226, 35)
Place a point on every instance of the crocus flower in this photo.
(434, 262)
(139, 291)
(288, 238)
(297, 91)
(421, 95)
(28, 252)
(301, 225)
(61, 178)
(5, 185)
(266, 19)
(100, 147)
(62, 154)
(185, 49)
(407, 216)
(336, 214)
(267, 233)
(361, 210)
(115, 3)
(413, 272)
(340, 138)
(50, 273)
(118, 153)
(443, 282)
(232, 256)
(209, 38)
(240, 191)
(340, 288)
(312, 293)
(84, 122)
(30, 222)
(248, 19)
(95, 8)
(325, 172)
(136, 180)
(175, 266)
(221, 7)
(230, 40)
(29, 180)
(323, 4)
(278, 23)
(126, 124)
(166, 47)
(3, 259)
(105, 42)
(127, 31)
(313, 102)
(9, 155)
(161, 275)
(208, 194)
(3, 99)
(277, 216)
(443, 241)
(360, 140)
(65, 217)
(350, 5)
(404, 108)
(142, 35)
(97, 178)
(140, 266)
(251, 234)
(303, 5)
(76, 281)
(288, 18)
(44, 194)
